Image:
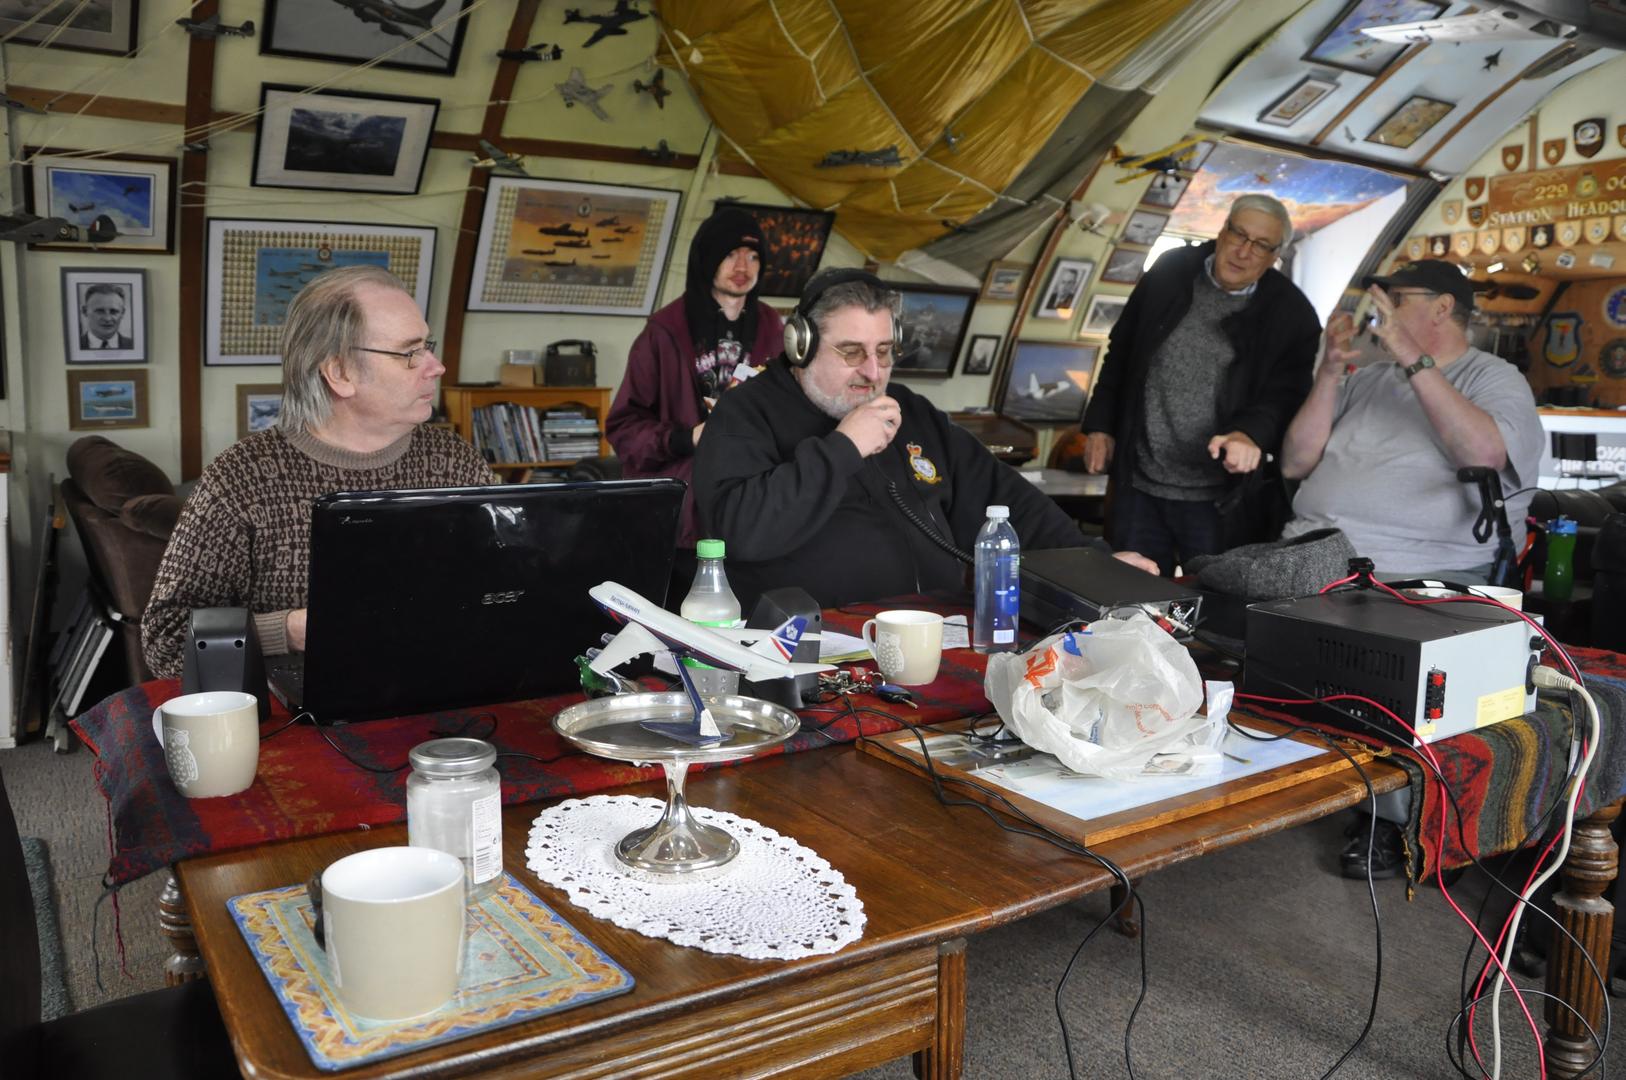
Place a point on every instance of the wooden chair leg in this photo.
(1123, 911)
(1587, 874)
(945, 1058)
(184, 963)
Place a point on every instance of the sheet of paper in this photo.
(835, 646)
(1045, 779)
(956, 633)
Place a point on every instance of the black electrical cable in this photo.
(1462, 841)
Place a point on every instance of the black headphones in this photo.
(802, 333)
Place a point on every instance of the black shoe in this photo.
(1388, 850)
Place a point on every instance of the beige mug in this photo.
(392, 921)
(907, 645)
(211, 741)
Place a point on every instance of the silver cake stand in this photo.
(611, 728)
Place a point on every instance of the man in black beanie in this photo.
(693, 349)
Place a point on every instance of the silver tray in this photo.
(611, 728)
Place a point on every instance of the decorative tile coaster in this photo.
(523, 961)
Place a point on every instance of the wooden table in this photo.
(928, 875)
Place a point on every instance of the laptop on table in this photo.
(445, 597)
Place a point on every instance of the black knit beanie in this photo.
(728, 228)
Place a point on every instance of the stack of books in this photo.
(569, 432)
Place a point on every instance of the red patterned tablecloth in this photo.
(305, 788)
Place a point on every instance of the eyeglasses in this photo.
(854, 355)
(1399, 295)
(411, 356)
(1254, 246)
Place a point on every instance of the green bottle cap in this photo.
(709, 549)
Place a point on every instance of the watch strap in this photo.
(1423, 363)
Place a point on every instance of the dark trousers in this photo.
(1167, 531)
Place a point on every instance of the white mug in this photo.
(1513, 598)
(907, 645)
(392, 922)
(211, 741)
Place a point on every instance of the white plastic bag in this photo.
(1105, 700)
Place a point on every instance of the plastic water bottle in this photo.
(711, 603)
(1558, 580)
(998, 558)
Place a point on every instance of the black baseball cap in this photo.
(1435, 275)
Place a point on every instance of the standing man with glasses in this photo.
(820, 475)
(1209, 361)
(359, 378)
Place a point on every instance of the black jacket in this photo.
(797, 505)
(1276, 336)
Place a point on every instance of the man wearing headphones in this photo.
(817, 476)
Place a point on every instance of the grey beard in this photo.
(835, 407)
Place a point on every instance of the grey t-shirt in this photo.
(1387, 481)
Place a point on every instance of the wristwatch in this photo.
(1424, 362)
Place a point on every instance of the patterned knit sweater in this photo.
(243, 539)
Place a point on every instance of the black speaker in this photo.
(775, 606)
(223, 653)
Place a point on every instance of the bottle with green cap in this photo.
(711, 603)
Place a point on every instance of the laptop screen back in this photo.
(441, 598)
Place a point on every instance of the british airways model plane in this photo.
(649, 628)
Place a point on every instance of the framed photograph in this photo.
(258, 407)
(979, 359)
(1305, 95)
(255, 267)
(1067, 280)
(1124, 266)
(1403, 127)
(102, 26)
(135, 191)
(793, 240)
(1342, 45)
(104, 314)
(1103, 311)
(411, 37)
(1144, 227)
(338, 141)
(932, 328)
(107, 398)
(1004, 281)
(566, 245)
(1165, 191)
(1049, 381)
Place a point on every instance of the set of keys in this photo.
(856, 680)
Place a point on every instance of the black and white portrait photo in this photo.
(104, 316)
(1067, 279)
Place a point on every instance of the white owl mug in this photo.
(211, 741)
(907, 645)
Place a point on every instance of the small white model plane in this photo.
(649, 628)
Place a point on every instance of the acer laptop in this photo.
(444, 597)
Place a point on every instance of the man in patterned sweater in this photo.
(359, 375)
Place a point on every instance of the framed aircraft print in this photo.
(931, 327)
(107, 398)
(134, 191)
(1342, 45)
(566, 245)
(399, 34)
(338, 141)
(105, 26)
(255, 268)
(793, 239)
(1049, 381)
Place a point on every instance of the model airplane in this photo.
(655, 88)
(886, 157)
(608, 25)
(1169, 160)
(211, 28)
(33, 229)
(1496, 24)
(575, 91)
(540, 51)
(660, 153)
(497, 161)
(649, 628)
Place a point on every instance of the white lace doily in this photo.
(775, 900)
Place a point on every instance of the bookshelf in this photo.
(462, 401)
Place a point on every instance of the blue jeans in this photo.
(1167, 531)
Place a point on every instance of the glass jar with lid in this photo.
(454, 804)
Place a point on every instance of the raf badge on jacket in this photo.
(924, 470)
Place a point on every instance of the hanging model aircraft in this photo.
(648, 628)
(575, 91)
(655, 88)
(608, 25)
(1170, 160)
(498, 161)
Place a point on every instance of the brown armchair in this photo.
(124, 509)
